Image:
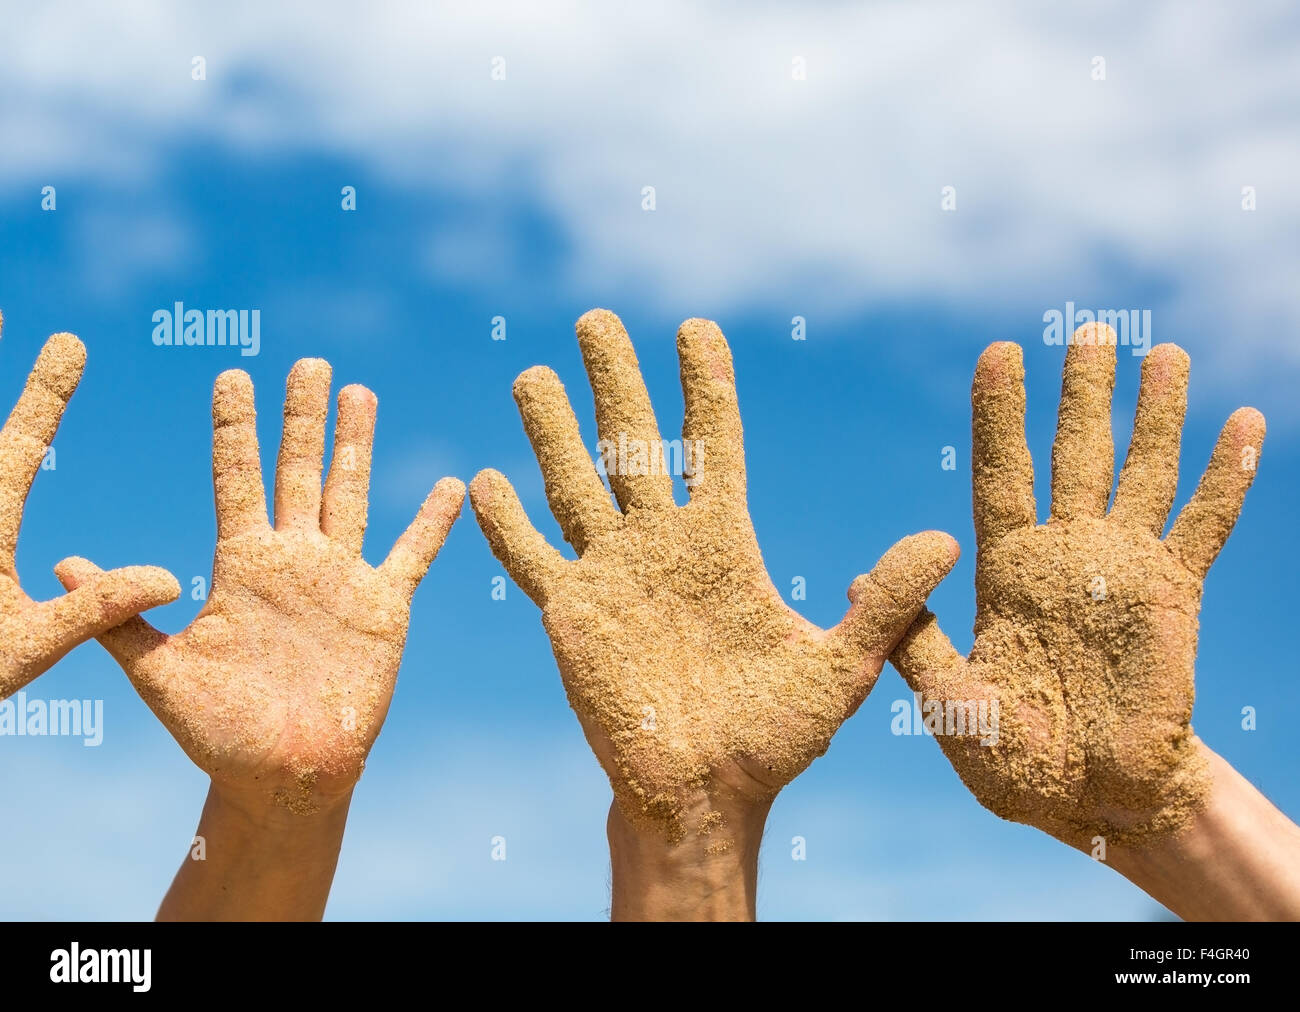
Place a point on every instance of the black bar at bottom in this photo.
(334, 961)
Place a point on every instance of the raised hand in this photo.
(698, 688)
(280, 686)
(1085, 634)
(36, 635)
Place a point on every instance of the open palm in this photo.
(281, 684)
(1086, 625)
(687, 670)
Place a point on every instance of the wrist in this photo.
(261, 813)
(1235, 860)
(710, 874)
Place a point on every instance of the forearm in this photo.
(1238, 861)
(253, 863)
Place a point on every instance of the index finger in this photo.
(27, 434)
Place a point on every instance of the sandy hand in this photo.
(690, 675)
(34, 636)
(1085, 635)
(280, 686)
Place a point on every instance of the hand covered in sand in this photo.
(34, 636)
(280, 686)
(691, 676)
(1085, 635)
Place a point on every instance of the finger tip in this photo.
(451, 490)
(160, 584)
(1166, 364)
(703, 350)
(999, 362)
(597, 326)
(1248, 416)
(232, 382)
(74, 570)
(1168, 351)
(358, 395)
(934, 554)
(150, 585)
(67, 346)
(61, 362)
(598, 318)
(1093, 333)
(1248, 424)
(307, 389)
(532, 379)
(924, 559)
(697, 328)
(309, 367)
(232, 398)
(945, 545)
(1092, 340)
(483, 485)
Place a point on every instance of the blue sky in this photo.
(522, 198)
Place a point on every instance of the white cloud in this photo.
(770, 191)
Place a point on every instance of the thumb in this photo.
(885, 601)
(107, 605)
(929, 664)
